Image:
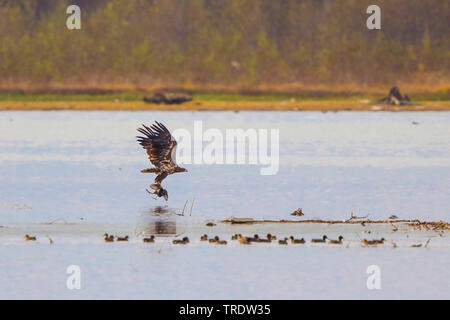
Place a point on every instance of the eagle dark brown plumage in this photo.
(161, 150)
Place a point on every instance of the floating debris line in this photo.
(435, 226)
(441, 225)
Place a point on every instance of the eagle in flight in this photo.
(161, 149)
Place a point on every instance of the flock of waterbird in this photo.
(240, 239)
(249, 240)
(285, 241)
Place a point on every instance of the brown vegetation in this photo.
(239, 45)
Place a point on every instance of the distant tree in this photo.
(232, 42)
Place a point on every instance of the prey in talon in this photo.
(159, 192)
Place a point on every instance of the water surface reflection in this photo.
(159, 221)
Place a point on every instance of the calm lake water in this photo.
(84, 167)
(87, 165)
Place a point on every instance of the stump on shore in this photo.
(395, 98)
(168, 98)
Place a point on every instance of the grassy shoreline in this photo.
(132, 101)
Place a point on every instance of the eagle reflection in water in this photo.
(158, 221)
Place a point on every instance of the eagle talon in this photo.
(160, 193)
(151, 194)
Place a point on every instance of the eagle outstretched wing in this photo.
(159, 144)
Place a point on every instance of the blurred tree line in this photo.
(225, 42)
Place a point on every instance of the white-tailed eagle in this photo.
(161, 149)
